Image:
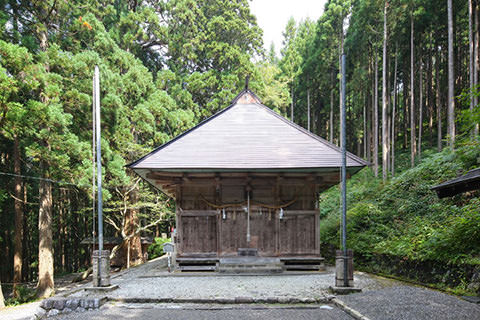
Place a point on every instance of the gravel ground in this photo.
(22, 312)
(411, 302)
(153, 282)
(208, 312)
(213, 286)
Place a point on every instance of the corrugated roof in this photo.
(246, 135)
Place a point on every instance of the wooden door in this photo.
(297, 235)
(198, 234)
(263, 231)
(233, 232)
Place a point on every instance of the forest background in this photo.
(412, 89)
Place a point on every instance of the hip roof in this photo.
(246, 136)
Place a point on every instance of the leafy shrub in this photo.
(156, 248)
(25, 294)
(403, 218)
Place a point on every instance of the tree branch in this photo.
(112, 223)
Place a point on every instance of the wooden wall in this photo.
(204, 229)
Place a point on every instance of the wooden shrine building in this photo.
(246, 183)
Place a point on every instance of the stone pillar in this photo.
(104, 259)
(339, 261)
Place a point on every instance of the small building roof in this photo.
(468, 182)
(113, 240)
(246, 136)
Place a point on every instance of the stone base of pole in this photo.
(101, 268)
(339, 268)
(339, 287)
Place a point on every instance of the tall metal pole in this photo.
(93, 162)
(248, 217)
(344, 176)
(99, 163)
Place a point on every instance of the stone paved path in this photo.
(401, 302)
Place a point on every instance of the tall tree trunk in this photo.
(291, 107)
(7, 247)
(384, 97)
(370, 111)
(413, 147)
(26, 241)
(438, 101)
(471, 65)
(61, 223)
(364, 127)
(393, 113)
(420, 111)
(76, 226)
(17, 258)
(331, 110)
(86, 230)
(340, 85)
(476, 65)
(430, 86)
(405, 111)
(134, 247)
(375, 121)
(451, 77)
(308, 110)
(45, 285)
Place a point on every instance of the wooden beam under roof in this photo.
(320, 181)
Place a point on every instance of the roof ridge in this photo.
(235, 100)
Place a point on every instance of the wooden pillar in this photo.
(274, 214)
(178, 219)
(218, 200)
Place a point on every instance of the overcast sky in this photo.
(272, 16)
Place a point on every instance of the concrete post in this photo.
(340, 267)
(102, 280)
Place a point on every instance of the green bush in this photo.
(404, 218)
(156, 248)
(25, 294)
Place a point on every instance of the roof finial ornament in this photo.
(247, 78)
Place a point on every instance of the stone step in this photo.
(249, 267)
(249, 260)
(255, 270)
(250, 252)
(304, 263)
(197, 260)
(197, 268)
(190, 264)
(249, 264)
(306, 267)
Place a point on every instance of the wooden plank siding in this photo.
(203, 231)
